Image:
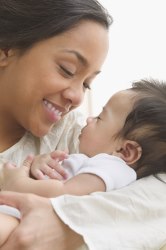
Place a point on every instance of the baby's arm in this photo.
(87, 180)
(18, 180)
(7, 225)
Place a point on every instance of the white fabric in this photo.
(10, 210)
(112, 170)
(131, 218)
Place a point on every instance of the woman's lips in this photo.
(53, 113)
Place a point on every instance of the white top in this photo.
(111, 169)
(131, 218)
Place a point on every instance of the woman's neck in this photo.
(9, 136)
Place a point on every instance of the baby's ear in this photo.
(130, 152)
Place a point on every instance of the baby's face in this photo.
(98, 136)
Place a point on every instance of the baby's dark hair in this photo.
(146, 124)
(25, 22)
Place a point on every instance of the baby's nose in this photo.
(89, 119)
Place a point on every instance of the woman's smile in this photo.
(53, 113)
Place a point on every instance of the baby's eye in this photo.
(87, 86)
(98, 117)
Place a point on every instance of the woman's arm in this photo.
(113, 215)
(7, 225)
(40, 227)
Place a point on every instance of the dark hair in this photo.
(146, 124)
(25, 22)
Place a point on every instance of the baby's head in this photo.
(146, 124)
(132, 126)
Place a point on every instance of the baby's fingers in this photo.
(38, 174)
(51, 172)
(28, 161)
(59, 155)
(58, 169)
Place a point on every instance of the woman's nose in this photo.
(74, 95)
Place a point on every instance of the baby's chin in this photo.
(83, 150)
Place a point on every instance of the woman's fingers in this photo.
(11, 199)
(39, 227)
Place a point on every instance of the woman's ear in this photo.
(5, 55)
(130, 152)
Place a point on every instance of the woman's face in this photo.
(50, 79)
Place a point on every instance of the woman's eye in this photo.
(66, 71)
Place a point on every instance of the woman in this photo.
(50, 53)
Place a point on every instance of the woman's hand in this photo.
(40, 228)
(48, 165)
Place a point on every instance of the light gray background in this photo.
(137, 49)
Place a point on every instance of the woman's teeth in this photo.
(52, 108)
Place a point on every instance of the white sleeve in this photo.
(10, 211)
(111, 169)
(73, 164)
(133, 217)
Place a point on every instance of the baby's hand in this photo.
(12, 174)
(48, 165)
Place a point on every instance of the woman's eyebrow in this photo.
(81, 58)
